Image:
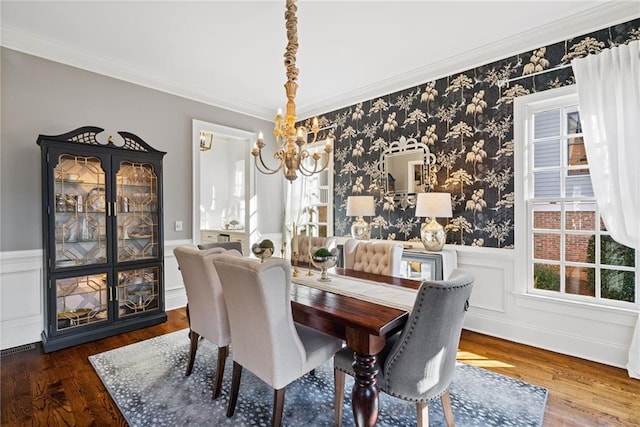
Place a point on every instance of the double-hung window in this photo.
(569, 253)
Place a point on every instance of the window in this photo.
(569, 253)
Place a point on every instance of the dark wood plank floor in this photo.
(62, 389)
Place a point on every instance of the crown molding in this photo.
(21, 41)
(604, 15)
(601, 16)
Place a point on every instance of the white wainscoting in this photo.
(21, 316)
(497, 308)
(22, 299)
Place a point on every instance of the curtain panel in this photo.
(609, 96)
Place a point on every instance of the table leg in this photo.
(364, 395)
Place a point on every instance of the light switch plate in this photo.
(178, 226)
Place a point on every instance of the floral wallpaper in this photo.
(466, 120)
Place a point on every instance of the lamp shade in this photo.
(434, 205)
(361, 206)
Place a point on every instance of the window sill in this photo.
(584, 310)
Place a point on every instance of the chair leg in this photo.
(278, 406)
(192, 352)
(338, 397)
(235, 386)
(422, 410)
(447, 409)
(222, 358)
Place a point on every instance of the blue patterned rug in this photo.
(147, 382)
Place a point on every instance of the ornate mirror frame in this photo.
(415, 170)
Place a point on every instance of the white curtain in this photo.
(295, 197)
(609, 96)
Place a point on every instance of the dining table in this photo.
(363, 324)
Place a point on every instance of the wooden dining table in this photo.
(364, 326)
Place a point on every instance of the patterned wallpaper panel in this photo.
(466, 120)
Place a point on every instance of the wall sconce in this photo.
(360, 206)
(433, 205)
(206, 141)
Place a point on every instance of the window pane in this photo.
(573, 123)
(576, 153)
(546, 215)
(580, 248)
(546, 124)
(618, 285)
(602, 226)
(580, 216)
(546, 276)
(578, 186)
(577, 281)
(546, 246)
(613, 253)
(546, 154)
(546, 184)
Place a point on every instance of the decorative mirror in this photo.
(405, 168)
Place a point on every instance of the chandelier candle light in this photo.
(360, 206)
(289, 139)
(433, 205)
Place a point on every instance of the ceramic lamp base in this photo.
(433, 236)
(360, 229)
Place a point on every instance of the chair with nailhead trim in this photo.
(418, 363)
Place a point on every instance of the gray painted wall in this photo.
(45, 97)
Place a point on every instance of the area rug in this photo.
(147, 382)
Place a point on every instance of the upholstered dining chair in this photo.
(266, 341)
(418, 364)
(373, 256)
(305, 243)
(207, 310)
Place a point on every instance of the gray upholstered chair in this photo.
(418, 364)
(307, 242)
(373, 256)
(266, 340)
(207, 310)
(225, 245)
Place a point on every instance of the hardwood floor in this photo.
(62, 389)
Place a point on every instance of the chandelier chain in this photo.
(292, 44)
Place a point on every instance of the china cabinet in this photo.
(102, 235)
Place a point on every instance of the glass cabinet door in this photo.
(81, 300)
(137, 211)
(138, 291)
(80, 211)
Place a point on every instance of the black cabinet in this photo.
(102, 235)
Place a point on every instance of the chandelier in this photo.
(290, 140)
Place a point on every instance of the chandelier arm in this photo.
(308, 172)
(263, 168)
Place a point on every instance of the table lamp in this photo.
(432, 206)
(360, 206)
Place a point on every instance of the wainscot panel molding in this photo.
(21, 296)
(498, 308)
(592, 333)
(21, 317)
(493, 270)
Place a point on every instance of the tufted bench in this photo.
(373, 256)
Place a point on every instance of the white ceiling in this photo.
(230, 53)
